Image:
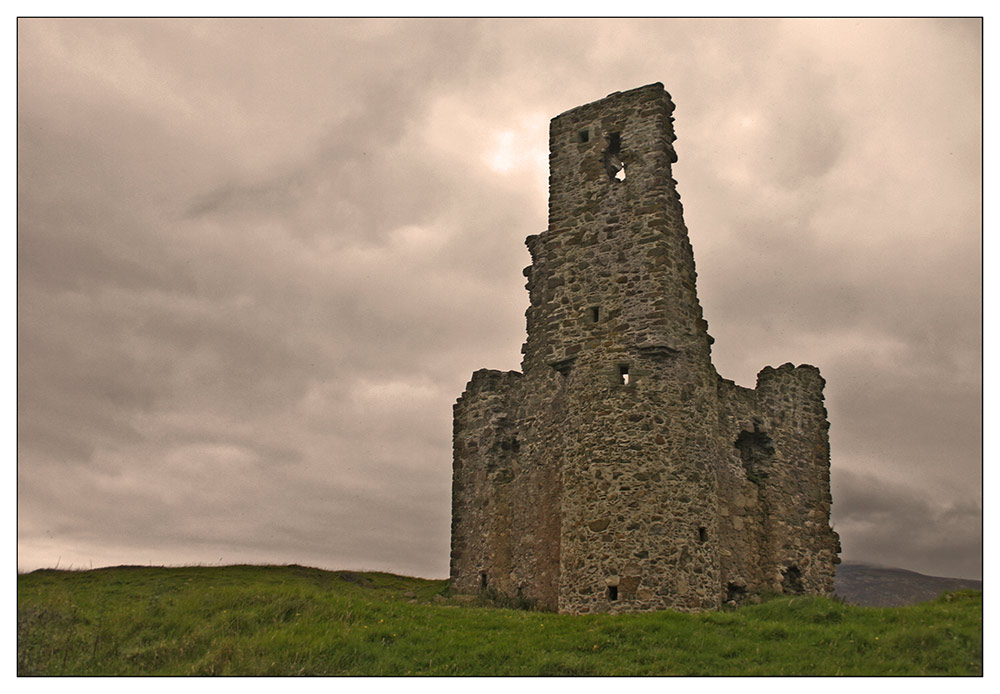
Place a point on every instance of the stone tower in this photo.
(618, 471)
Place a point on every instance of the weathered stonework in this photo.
(618, 472)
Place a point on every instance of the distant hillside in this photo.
(877, 586)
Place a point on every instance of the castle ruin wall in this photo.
(618, 472)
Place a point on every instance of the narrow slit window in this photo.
(702, 534)
(612, 593)
(482, 581)
(623, 377)
(595, 314)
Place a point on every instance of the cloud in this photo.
(894, 523)
(258, 260)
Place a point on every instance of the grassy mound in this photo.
(292, 620)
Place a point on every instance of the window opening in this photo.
(482, 581)
(736, 592)
(613, 163)
(564, 366)
(756, 450)
(623, 378)
(612, 593)
(702, 534)
(584, 135)
(595, 314)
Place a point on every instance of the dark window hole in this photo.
(612, 593)
(482, 581)
(736, 592)
(563, 367)
(584, 135)
(595, 314)
(613, 163)
(623, 374)
(756, 450)
(702, 534)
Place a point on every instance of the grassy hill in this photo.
(291, 620)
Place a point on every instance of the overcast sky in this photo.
(259, 260)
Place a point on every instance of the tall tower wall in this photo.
(616, 245)
(615, 314)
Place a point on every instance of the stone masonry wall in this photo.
(741, 514)
(505, 491)
(620, 472)
(634, 490)
(802, 547)
(485, 455)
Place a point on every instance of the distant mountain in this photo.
(879, 586)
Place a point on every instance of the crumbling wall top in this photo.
(654, 88)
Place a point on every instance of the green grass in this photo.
(291, 620)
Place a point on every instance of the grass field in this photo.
(291, 620)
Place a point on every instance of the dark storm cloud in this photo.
(259, 259)
(131, 310)
(901, 524)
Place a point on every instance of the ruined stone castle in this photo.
(618, 472)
